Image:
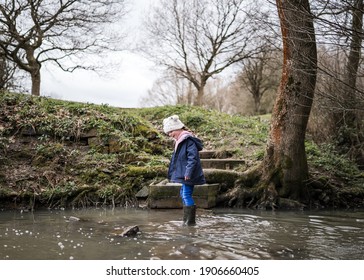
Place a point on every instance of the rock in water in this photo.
(74, 219)
(130, 231)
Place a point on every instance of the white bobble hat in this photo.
(172, 123)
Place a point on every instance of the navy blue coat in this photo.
(185, 161)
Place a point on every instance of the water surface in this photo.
(219, 234)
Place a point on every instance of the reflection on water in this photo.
(219, 234)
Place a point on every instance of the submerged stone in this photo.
(128, 232)
(74, 219)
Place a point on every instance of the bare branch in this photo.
(200, 39)
(33, 32)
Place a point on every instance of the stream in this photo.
(225, 234)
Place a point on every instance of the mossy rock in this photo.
(147, 172)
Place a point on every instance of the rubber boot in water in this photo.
(189, 215)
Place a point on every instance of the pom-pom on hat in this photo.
(172, 123)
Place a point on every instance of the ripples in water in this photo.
(219, 234)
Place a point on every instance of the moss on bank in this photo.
(66, 154)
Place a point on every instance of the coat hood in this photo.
(188, 135)
(197, 141)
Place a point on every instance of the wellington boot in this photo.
(185, 215)
(189, 215)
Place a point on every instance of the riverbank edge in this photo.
(59, 154)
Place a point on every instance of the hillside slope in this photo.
(66, 154)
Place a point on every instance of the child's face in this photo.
(174, 133)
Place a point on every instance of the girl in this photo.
(185, 165)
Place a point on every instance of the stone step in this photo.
(206, 154)
(216, 163)
(166, 195)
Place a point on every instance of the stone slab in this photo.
(221, 163)
(206, 154)
(166, 195)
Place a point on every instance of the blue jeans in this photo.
(186, 195)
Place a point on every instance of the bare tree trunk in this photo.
(189, 94)
(257, 106)
(349, 126)
(2, 70)
(355, 47)
(34, 71)
(35, 82)
(199, 97)
(285, 168)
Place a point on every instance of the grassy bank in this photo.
(66, 154)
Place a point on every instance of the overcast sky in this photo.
(123, 86)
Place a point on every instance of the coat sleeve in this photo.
(170, 167)
(192, 158)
